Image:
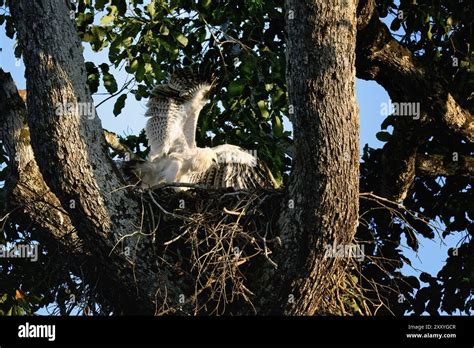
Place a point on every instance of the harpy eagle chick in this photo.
(174, 109)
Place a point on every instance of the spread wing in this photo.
(237, 169)
(196, 86)
(164, 129)
(173, 109)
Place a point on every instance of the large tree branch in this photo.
(28, 196)
(71, 153)
(114, 143)
(383, 59)
(397, 166)
(438, 165)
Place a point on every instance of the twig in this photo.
(115, 94)
(164, 210)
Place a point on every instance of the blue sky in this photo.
(370, 96)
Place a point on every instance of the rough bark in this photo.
(325, 176)
(71, 153)
(28, 197)
(437, 165)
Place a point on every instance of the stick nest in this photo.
(213, 239)
(215, 242)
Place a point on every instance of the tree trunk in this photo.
(322, 201)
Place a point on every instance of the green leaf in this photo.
(140, 74)
(99, 41)
(119, 104)
(427, 18)
(236, 87)
(268, 87)
(92, 77)
(395, 26)
(464, 64)
(150, 9)
(88, 37)
(141, 92)
(148, 68)
(3, 298)
(121, 6)
(278, 94)
(262, 105)
(206, 3)
(183, 40)
(383, 136)
(164, 30)
(248, 65)
(109, 83)
(425, 277)
(107, 19)
(93, 82)
(173, 49)
(133, 66)
(110, 17)
(84, 19)
(277, 127)
(429, 34)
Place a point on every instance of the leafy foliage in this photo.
(438, 31)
